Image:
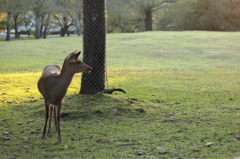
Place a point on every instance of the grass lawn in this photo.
(182, 98)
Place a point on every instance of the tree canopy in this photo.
(60, 16)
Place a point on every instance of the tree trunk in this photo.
(148, 19)
(65, 27)
(78, 24)
(41, 24)
(28, 32)
(8, 26)
(64, 30)
(37, 28)
(16, 26)
(121, 24)
(46, 26)
(94, 40)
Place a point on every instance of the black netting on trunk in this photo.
(94, 42)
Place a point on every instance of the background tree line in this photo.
(122, 15)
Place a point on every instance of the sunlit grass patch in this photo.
(22, 87)
(18, 87)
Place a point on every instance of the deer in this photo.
(53, 85)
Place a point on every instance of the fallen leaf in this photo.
(162, 151)
(237, 137)
(209, 144)
(9, 101)
(139, 152)
(5, 133)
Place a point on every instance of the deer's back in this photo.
(51, 70)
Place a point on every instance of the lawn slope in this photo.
(182, 98)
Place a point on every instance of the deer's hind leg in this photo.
(51, 109)
(55, 118)
(47, 105)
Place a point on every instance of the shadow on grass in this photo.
(103, 106)
(85, 107)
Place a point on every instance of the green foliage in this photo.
(3, 25)
(122, 17)
(216, 15)
(182, 99)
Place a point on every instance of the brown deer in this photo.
(53, 86)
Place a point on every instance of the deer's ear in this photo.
(73, 56)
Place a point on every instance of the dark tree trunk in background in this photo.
(41, 24)
(64, 28)
(16, 25)
(121, 24)
(94, 45)
(37, 27)
(78, 24)
(9, 14)
(148, 19)
(46, 25)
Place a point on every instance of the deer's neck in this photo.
(64, 79)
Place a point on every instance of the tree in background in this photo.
(176, 16)
(3, 22)
(27, 20)
(147, 8)
(64, 21)
(16, 15)
(42, 10)
(50, 8)
(7, 8)
(121, 16)
(38, 8)
(46, 23)
(125, 15)
(218, 15)
(214, 15)
(12, 8)
(74, 10)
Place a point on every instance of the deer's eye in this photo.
(79, 62)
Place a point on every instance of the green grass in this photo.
(182, 93)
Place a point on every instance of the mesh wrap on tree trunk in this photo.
(94, 45)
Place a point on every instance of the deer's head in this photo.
(75, 65)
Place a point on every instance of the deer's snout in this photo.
(89, 69)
